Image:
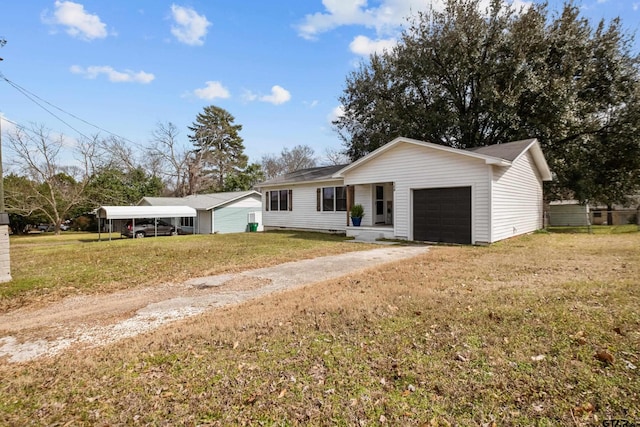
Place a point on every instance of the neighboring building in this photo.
(568, 213)
(571, 213)
(415, 190)
(217, 212)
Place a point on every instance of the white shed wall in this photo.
(516, 199)
(410, 167)
(304, 214)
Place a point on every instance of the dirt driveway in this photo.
(102, 319)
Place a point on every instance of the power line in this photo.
(30, 95)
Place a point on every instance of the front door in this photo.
(379, 205)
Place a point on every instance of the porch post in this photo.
(349, 201)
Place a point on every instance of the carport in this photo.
(110, 213)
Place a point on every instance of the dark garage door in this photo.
(442, 215)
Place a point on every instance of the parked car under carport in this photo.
(137, 213)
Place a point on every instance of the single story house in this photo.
(416, 190)
(229, 212)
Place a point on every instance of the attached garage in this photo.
(442, 215)
(434, 193)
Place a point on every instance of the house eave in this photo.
(490, 160)
(296, 183)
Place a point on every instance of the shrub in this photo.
(357, 211)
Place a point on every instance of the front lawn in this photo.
(46, 267)
(538, 330)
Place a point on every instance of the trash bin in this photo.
(253, 227)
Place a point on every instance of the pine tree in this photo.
(218, 146)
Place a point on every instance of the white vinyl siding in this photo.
(411, 167)
(304, 213)
(516, 199)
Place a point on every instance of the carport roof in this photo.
(131, 212)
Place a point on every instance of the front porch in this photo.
(371, 233)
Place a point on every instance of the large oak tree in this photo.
(467, 77)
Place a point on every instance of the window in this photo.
(327, 198)
(279, 200)
(186, 222)
(275, 206)
(341, 199)
(284, 200)
(332, 199)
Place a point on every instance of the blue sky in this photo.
(277, 66)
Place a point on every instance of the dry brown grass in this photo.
(501, 335)
(46, 268)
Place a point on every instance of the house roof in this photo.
(320, 173)
(513, 150)
(497, 154)
(200, 201)
(509, 151)
(131, 212)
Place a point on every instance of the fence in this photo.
(583, 220)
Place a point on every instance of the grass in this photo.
(498, 335)
(46, 267)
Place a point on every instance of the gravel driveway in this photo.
(102, 319)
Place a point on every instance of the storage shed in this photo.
(226, 212)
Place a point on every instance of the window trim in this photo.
(274, 200)
(321, 200)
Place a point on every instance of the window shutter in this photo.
(290, 200)
(268, 201)
(318, 198)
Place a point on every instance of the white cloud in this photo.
(77, 21)
(249, 96)
(335, 114)
(364, 46)
(190, 28)
(385, 19)
(212, 91)
(279, 95)
(126, 76)
(636, 6)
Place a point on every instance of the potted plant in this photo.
(356, 212)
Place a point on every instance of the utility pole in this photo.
(5, 259)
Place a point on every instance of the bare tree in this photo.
(299, 157)
(175, 162)
(115, 152)
(333, 156)
(53, 189)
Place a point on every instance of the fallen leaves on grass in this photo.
(605, 357)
